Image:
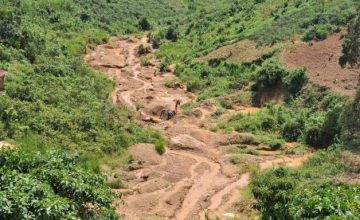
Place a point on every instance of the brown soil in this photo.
(321, 61)
(193, 175)
(242, 51)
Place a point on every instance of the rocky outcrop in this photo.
(186, 142)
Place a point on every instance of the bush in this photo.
(313, 136)
(269, 74)
(273, 191)
(292, 130)
(294, 81)
(351, 45)
(164, 66)
(172, 34)
(326, 201)
(310, 192)
(331, 126)
(318, 32)
(160, 146)
(143, 50)
(350, 122)
(50, 185)
(145, 62)
(144, 24)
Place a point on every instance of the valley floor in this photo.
(194, 177)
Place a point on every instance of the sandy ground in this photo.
(193, 176)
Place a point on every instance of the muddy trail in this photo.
(194, 176)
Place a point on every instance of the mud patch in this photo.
(174, 172)
(146, 154)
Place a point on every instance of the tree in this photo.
(351, 45)
(9, 26)
(172, 34)
(350, 122)
(144, 24)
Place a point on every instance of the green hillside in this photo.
(266, 22)
(56, 110)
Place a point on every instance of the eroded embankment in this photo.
(193, 176)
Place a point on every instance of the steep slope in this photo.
(193, 177)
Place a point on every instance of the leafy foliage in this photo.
(350, 122)
(50, 185)
(308, 192)
(265, 22)
(351, 45)
(323, 201)
(51, 92)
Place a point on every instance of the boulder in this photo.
(186, 142)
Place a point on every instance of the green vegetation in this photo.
(50, 184)
(51, 95)
(160, 146)
(351, 46)
(313, 118)
(350, 123)
(265, 22)
(311, 192)
(57, 108)
(310, 115)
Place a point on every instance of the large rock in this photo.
(186, 142)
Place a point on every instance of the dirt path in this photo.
(193, 176)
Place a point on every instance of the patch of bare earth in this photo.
(242, 51)
(4, 145)
(193, 176)
(321, 62)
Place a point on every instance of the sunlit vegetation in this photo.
(57, 109)
(352, 44)
(312, 192)
(51, 95)
(42, 183)
(265, 22)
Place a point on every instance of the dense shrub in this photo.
(50, 185)
(317, 32)
(350, 122)
(172, 33)
(292, 130)
(313, 136)
(270, 74)
(160, 146)
(351, 45)
(294, 81)
(273, 192)
(310, 192)
(144, 24)
(326, 201)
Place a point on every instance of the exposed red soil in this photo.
(242, 51)
(193, 175)
(321, 62)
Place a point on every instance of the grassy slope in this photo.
(53, 100)
(51, 93)
(53, 97)
(266, 23)
(312, 116)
